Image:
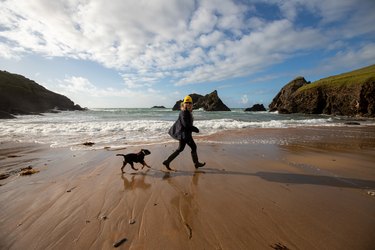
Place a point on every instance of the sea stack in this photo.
(210, 102)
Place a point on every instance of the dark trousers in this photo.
(190, 142)
(181, 147)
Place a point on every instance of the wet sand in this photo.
(311, 192)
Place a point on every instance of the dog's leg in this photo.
(132, 165)
(145, 164)
(123, 166)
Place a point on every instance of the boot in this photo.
(197, 164)
(170, 159)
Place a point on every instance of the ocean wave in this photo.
(74, 128)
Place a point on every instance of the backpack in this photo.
(176, 130)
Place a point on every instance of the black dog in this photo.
(131, 158)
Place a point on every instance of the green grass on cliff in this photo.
(357, 77)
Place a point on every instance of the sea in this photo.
(121, 127)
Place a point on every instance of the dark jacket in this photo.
(183, 127)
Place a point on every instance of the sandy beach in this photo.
(315, 191)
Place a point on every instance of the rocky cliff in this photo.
(210, 102)
(348, 94)
(19, 95)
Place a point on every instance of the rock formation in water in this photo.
(256, 108)
(210, 102)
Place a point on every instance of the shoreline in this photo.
(363, 136)
(313, 192)
(147, 126)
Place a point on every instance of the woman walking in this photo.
(182, 131)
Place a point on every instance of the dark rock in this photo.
(158, 107)
(28, 171)
(283, 101)
(210, 102)
(4, 175)
(283, 111)
(256, 107)
(348, 94)
(22, 96)
(177, 105)
(27, 168)
(6, 115)
(366, 103)
(131, 221)
(119, 242)
(70, 189)
(88, 143)
(352, 123)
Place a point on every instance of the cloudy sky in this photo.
(140, 53)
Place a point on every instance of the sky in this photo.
(141, 53)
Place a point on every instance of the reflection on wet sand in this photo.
(136, 181)
(185, 203)
(249, 196)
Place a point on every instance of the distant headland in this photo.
(347, 94)
(22, 96)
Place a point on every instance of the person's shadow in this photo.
(287, 178)
(316, 180)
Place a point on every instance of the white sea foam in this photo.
(114, 127)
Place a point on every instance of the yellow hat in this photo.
(188, 99)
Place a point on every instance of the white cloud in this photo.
(289, 9)
(86, 94)
(187, 41)
(274, 43)
(203, 21)
(77, 84)
(211, 39)
(244, 99)
(9, 52)
(350, 58)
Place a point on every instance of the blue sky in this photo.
(126, 53)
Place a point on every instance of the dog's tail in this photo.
(120, 155)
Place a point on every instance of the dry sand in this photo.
(312, 193)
